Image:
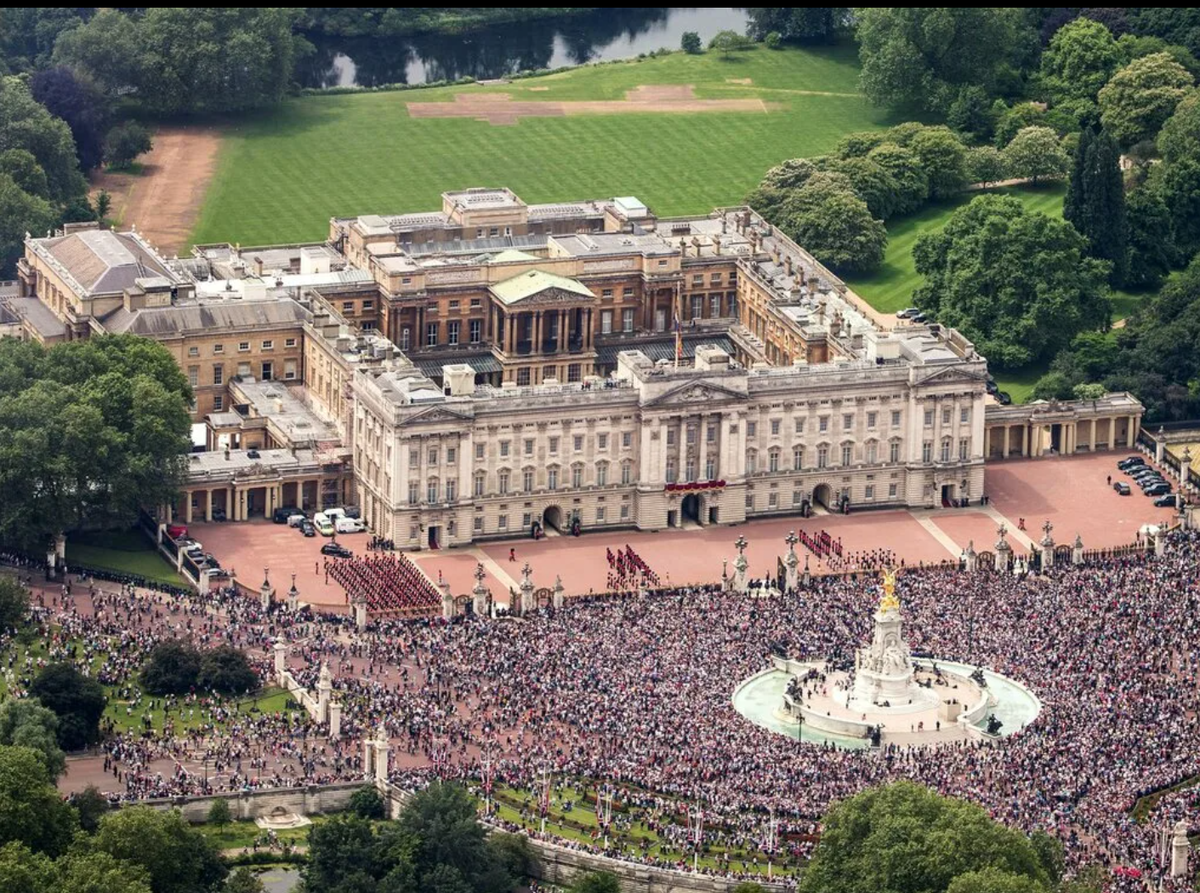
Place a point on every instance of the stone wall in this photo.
(310, 800)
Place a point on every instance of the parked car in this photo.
(350, 525)
(992, 387)
(1141, 473)
(335, 513)
(1003, 398)
(353, 511)
(1157, 489)
(1166, 501)
(307, 528)
(283, 513)
(907, 312)
(323, 524)
(337, 550)
(1130, 461)
(1122, 488)
(296, 519)
(176, 531)
(918, 317)
(218, 514)
(1149, 476)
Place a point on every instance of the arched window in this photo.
(502, 478)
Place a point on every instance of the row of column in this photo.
(539, 330)
(1030, 435)
(237, 499)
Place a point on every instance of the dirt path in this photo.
(164, 200)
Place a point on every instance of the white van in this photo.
(349, 525)
(334, 514)
(323, 524)
(295, 520)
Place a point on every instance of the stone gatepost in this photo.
(971, 557)
(1160, 445)
(1047, 545)
(369, 758)
(1077, 551)
(1179, 849)
(479, 593)
(447, 601)
(280, 660)
(790, 561)
(740, 565)
(360, 613)
(558, 593)
(1160, 542)
(382, 745)
(324, 691)
(526, 601)
(293, 597)
(266, 592)
(1003, 550)
(335, 720)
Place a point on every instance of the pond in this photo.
(500, 50)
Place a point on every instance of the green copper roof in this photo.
(518, 288)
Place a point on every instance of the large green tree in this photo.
(26, 124)
(912, 183)
(1095, 203)
(26, 723)
(89, 432)
(1140, 97)
(1082, 56)
(1018, 284)
(799, 24)
(943, 160)
(833, 224)
(177, 857)
(1035, 153)
(14, 603)
(31, 810)
(1179, 138)
(442, 819)
(77, 700)
(1151, 239)
(921, 56)
(903, 838)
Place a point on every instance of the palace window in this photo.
(433, 456)
(451, 490)
(602, 474)
(480, 478)
(895, 418)
(606, 320)
(963, 446)
(576, 476)
(822, 457)
(823, 424)
(552, 479)
(871, 416)
(602, 441)
(751, 462)
(479, 451)
(773, 460)
(452, 331)
(431, 490)
(690, 469)
(475, 327)
(502, 479)
(927, 452)
(671, 471)
(946, 450)
(523, 377)
(627, 319)
(797, 458)
(405, 338)
(710, 469)
(847, 421)
(431, 334)
(504, 449)
(414, 492)
(527, 480)
(626, 474)
(847, 450)
(894, 451)
(553, 446)
(872, 453)
(929, 418)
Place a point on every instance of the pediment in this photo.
(551, 295)
(436, 414)
(953, 375)
(695, 392)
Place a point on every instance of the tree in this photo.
(92, 872)
(26, 723)
(178, 858)
(513, 853)
(26, 124)
(219, 813)
(1140, 97)
(89, 429)
(691, 43)
(912, 183)
(1082, 56)
(81, 104)
(103, 204)
(31, 811)
(903, 838)
(14, 603)
(347, 855)
(971, 113)
(1074, 200)
(76, 700)
(834, 224)
(25, 171)
(1010, 121)
(729, 42)
(171, 668)
(871, 182)
(596, 882)
(994, 880)
(443, 821)
(986, 164)
(106, 48)
(1151, 239)
(27, 34)
(366, 803)
(226, 670)
(790, 174)
(943, 158)
(125, 142)
(1179, 138)
(1179, 185)
(20, 213)
(808, 24)
(748, 887)
(1036, 154)
(91, 806)
(24, 871)
(773, 40)
(1097, 204)
(921, 56)
(244, 881)
(1018, 284)
(1179, 25)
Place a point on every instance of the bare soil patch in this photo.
(164, 201)
(500, 109)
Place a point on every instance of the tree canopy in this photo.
(25, 722)
(1036, 153)
(1018, 284)
(177, 857)
(1140, 97)
(77, 700)
(1095, 202)
(89, 431)
(798, 24)
(903, 838)
(1079, 61)
(31, 811)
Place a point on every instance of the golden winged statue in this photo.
(889, 602)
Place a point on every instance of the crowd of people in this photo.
(822, 544)
(390, 583)
(628, 570)
(637, 690)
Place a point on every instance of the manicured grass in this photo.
(890, 287)
(1020, 384)
(282, 175)
(242, 835)
(145, 562)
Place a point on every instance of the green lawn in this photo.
(1020, 384)
(281, 175)
(126, 551)
(890, 288)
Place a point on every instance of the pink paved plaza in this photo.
(1070, 492)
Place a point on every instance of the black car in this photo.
(284, 512)
(1003, 398)
(1166, 501)
(337, 550)
(1152, 477)
(306, 528)
(1158, 489)
(1128, 463)
(218, 514)
(1122, 488)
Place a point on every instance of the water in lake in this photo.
(500, 50)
